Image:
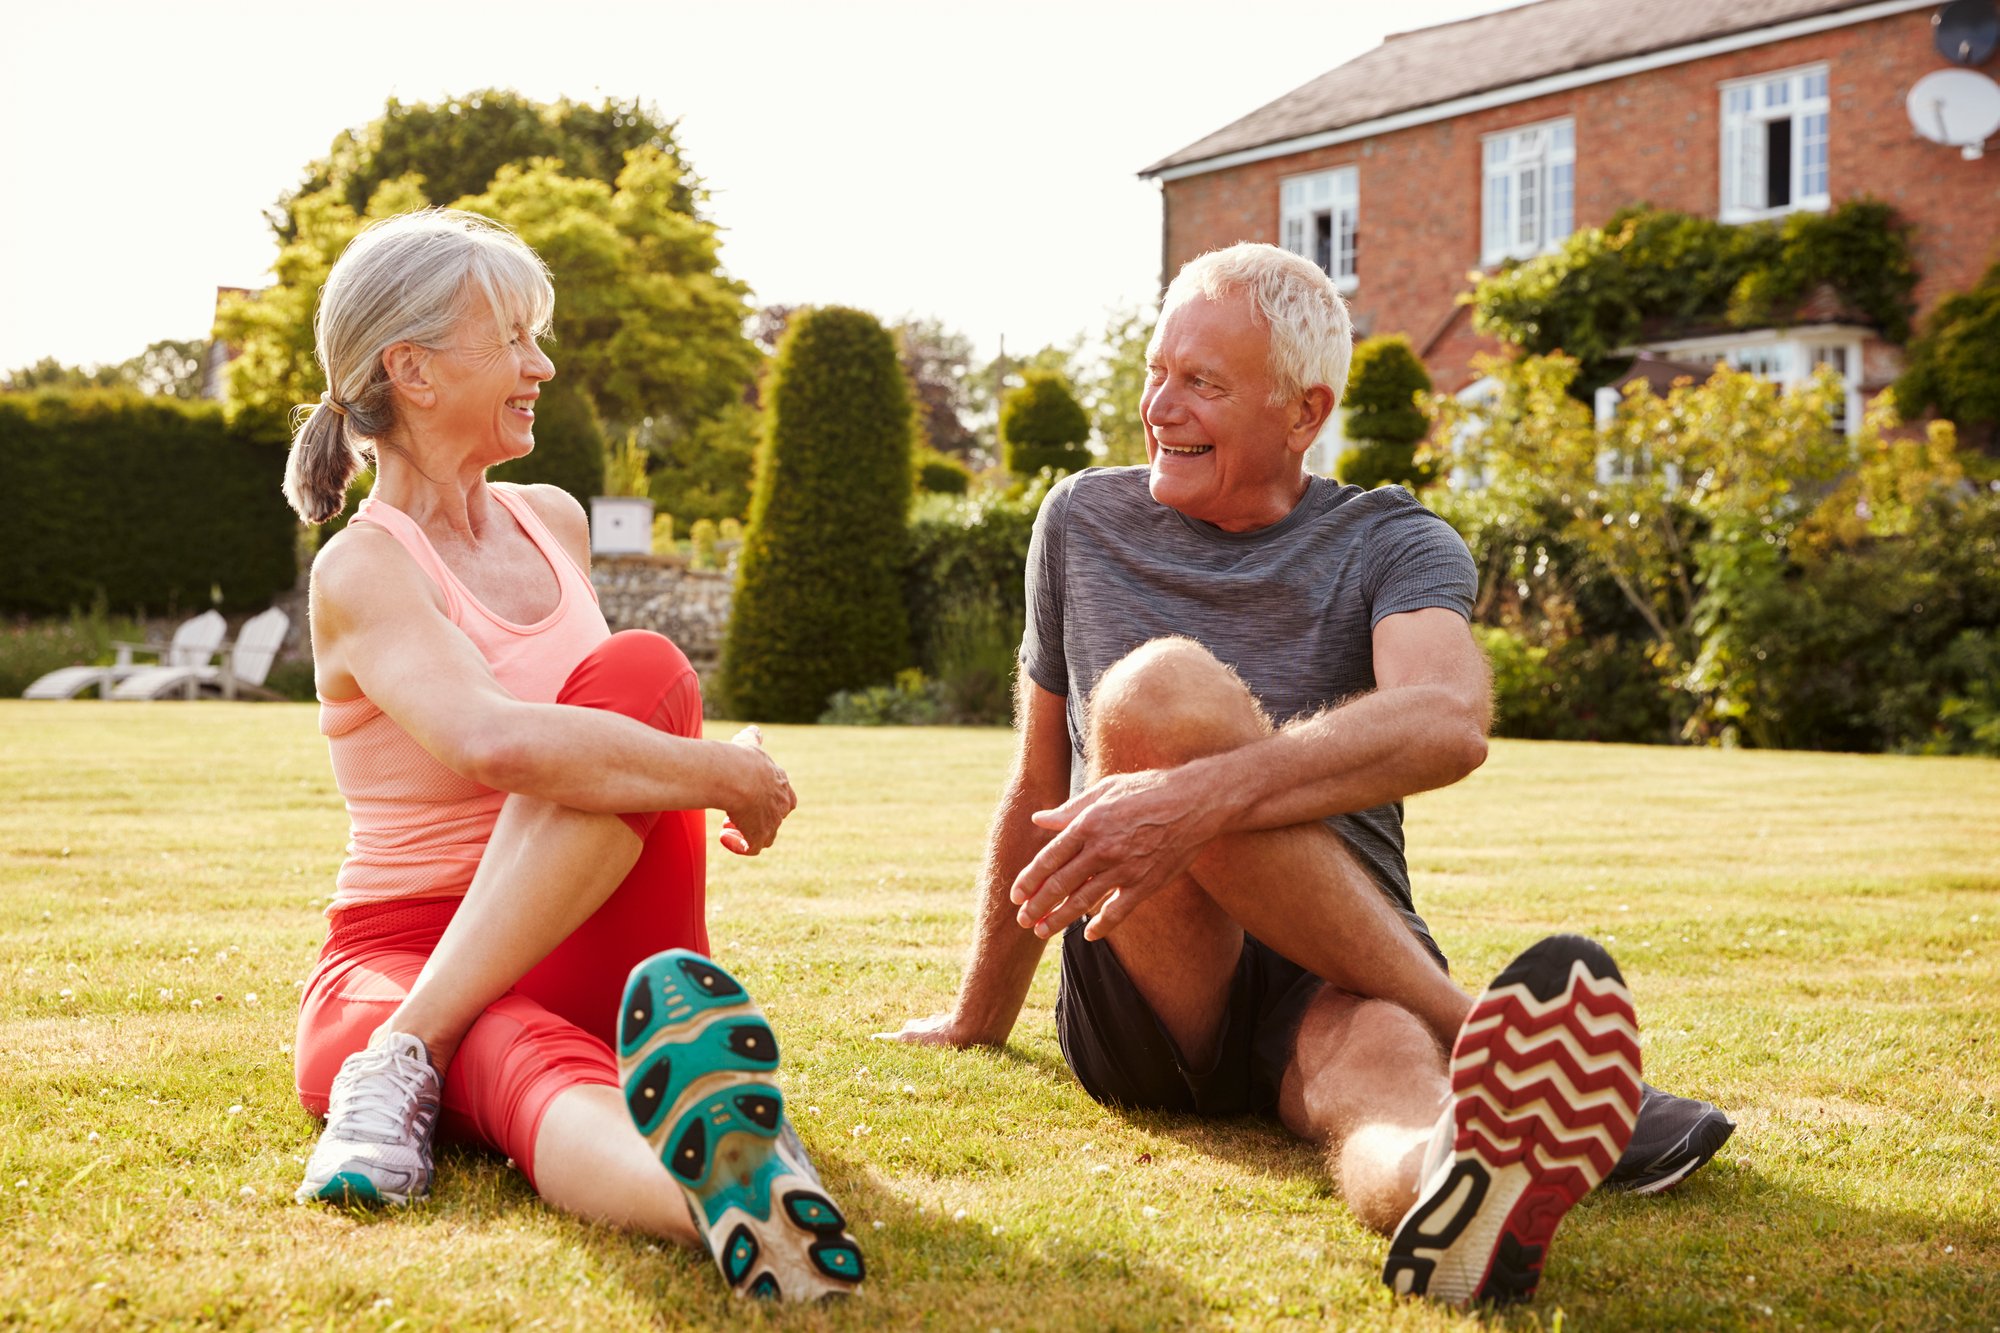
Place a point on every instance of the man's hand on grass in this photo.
(937, 1030)
(1119, 841)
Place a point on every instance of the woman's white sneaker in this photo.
(380, 1118)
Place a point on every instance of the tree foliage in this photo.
(456, 147)
(1767, 580)
(819, 602)
(707, 474)
(938, 361)
(170, 368)
(1954, 365)
(1384, 421)
(1655, 274)
(646, 323)
(1043, 426)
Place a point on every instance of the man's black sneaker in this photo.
(1675, 1135)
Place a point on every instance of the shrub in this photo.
(1043, 426)
(31, 649)
(701, 544)
(663, 534)
(1383, 418)
(1653, 274)
(819, 605)
(1954, 365)
(911, 701)
(569, 445)
(140, 502)
(941, 474)
(967, 604)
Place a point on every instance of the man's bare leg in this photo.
(1299, 890)
(1367, 1081)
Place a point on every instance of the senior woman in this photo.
(526, 792)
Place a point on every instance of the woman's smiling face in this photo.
(487, 379)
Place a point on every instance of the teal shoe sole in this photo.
(698, 1065)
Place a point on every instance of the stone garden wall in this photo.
(689, 606)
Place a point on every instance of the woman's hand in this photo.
(751, 821)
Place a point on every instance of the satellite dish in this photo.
(1966, 31)
(1957, 107)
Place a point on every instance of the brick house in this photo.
(1455, 148)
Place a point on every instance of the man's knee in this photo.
(1169, 701)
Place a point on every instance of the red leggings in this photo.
(553, 1031)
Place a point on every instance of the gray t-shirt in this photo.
(1292, 607)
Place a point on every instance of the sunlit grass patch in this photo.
(1811, 939)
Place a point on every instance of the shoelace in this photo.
(377, 1095)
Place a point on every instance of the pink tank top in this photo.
(417, 828)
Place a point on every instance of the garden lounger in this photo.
(195, 641)
(242, 672)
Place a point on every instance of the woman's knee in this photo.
(642, 675)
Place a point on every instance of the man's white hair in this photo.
(1312, 339)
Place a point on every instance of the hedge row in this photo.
(147, 503)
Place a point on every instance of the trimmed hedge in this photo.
(819, 597)
(1383, 419)
(963, 580)
(141, 503)
(1042, 425)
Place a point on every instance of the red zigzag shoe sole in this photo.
(1545, 1093)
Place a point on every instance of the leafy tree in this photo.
(168, 368)
(1383, 418)
(1113, 387)
(938, 362)
(819, 604)
(1042, 425)
(707, 474)
(646, 323)
(1954, 366)
(569, 444)
(1721, 477)
(171, 368)
(456, 147)
(49, 373)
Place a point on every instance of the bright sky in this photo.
(972, 162)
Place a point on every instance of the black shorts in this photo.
(1121, 1053)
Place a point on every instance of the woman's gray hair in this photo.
(409, 278)
(1312, 339)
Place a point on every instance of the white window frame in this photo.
(1335, 196)
(1516, 163)
(1749, 107)
(1788, 357)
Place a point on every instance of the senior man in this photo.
(1233, 673)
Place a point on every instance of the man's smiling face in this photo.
(1221, 450)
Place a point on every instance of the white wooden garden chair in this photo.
(194, 644)
(242, 671)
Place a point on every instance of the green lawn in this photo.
(1814, 942)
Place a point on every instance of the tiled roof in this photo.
(1412, 70)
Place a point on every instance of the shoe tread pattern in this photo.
(697, 1062)
(1545, 1086)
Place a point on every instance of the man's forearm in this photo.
(1002, 966)
(1371, 751)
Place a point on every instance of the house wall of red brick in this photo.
(1653, 137)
